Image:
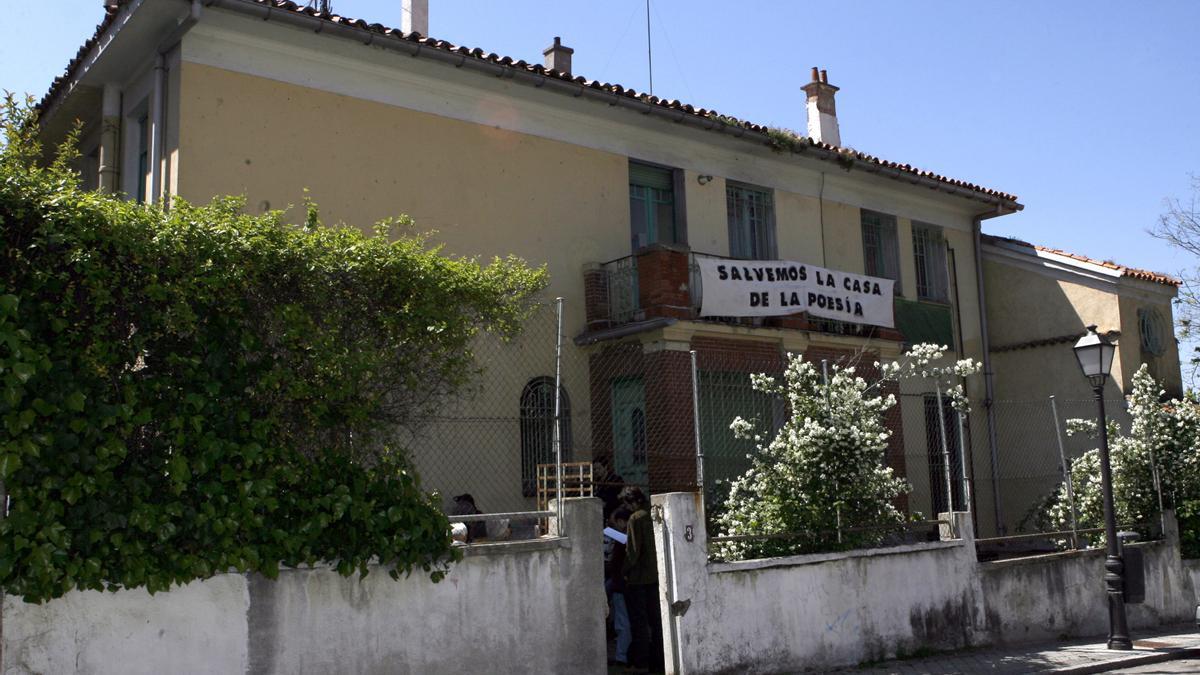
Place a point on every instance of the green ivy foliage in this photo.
(194, 391)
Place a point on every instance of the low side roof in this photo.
(1122, 270)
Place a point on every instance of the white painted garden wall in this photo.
(829, 610)
(533, 606)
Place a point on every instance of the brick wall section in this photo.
(595, 298)
(669, 421)
(663, 278)
(741, 356)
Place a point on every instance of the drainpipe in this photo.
(988, 375)
(156, 130)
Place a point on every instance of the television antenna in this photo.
(323, 6)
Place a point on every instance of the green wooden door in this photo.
(629, 430)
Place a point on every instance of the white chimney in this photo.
(822, 114)
(558, 57)
(415, 17)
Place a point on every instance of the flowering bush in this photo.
(1162, 436)
(823, 472)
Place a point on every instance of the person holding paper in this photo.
(614, 582)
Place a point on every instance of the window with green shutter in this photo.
(652, 213)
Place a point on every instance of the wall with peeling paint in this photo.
(828, 610)
(529, 606)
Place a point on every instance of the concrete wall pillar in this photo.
(683, 576)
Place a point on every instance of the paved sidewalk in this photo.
(1073, 656)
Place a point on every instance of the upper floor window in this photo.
(929, 250)
(881, 248)
(653, 209)
(751, 216)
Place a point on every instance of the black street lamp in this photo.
(1095, 353)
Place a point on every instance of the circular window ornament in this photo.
(1151, 327)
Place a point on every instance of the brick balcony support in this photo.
(595, 297)
(664, 276)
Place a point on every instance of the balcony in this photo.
(663, 282)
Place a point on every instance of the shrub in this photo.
(197, 390)
(1163, 442)
(823, 473)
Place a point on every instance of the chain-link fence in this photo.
(483, 451)
(1039, 508)
(930, 461)
(654, 412)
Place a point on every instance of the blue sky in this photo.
(1085, 109)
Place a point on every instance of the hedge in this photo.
(196, 390)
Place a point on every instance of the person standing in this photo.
(641, 583)
(614, 579)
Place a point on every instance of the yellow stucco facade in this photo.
(490, 167)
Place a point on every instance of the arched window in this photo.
(637, 426)
(537, 429)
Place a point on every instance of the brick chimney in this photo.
(415, 16)
(558, 57)
(822, 114)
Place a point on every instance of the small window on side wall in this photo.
(751, 214)
(537, 430)
(655, 213)
(881, 247)
(1152, 330)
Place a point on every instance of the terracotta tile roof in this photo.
(1133, 272)
(780, 139)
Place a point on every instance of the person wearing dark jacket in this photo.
(614, 580)
(641, 583)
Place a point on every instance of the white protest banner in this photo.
(781, 287)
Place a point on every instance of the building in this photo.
(1068, 292)
(621, 194)
(1039, 303)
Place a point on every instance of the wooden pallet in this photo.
(577, 482)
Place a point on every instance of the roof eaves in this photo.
(777, 139)
(1120, 270)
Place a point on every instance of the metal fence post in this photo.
(558, 467)
(1066, 469)
(945, 448)
(1155, 477)
(962, 458)
(825, 395)
(696, 434)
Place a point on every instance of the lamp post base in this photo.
(1118, 629)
